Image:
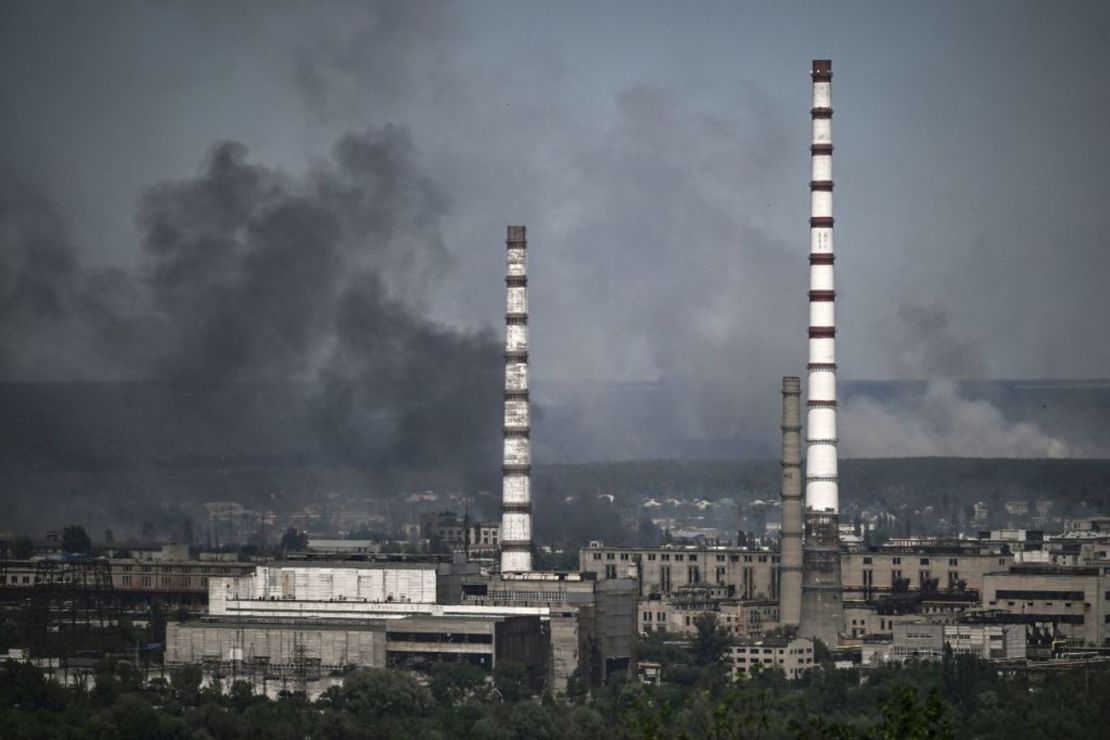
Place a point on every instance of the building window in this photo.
(924, 561)
(651, 556)
(610, 556)
(597, 556)
(896, 561)
(867, 561)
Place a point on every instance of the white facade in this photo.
(311, 583)
(357, 591)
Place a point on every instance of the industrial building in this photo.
(275, 649)
(954, 566)
(677, 613)
(561, 623)
(791, 656)
(750, 574)
(169, 578)
(1070, 602)
(932, 640)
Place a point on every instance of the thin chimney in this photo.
(821, 615)
(790, 563)
(516, 490)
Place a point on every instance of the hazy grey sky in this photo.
(657, 151)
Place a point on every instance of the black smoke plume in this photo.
(270, 312)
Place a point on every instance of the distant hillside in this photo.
(106, 426)
(893, 481)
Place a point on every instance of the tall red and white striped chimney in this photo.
(516, 470)
(822, 614)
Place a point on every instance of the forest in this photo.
(957, 697)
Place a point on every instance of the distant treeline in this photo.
(567, 508)
(889, 481)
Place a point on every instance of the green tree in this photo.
(186, 680)
(454, 683)
(711, 640)
(76, 540)
(904, 717)
(511, 680)
(376, 692)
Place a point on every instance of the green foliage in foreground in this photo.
(959, 698)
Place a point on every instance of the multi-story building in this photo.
(458, 534)
(137, 580)
(749, 574)
(868, 574)
(677, 613)
(1070, 602)
(925, 640)
(753, 574)
(877, 618)
(592, 622)
(792, 656)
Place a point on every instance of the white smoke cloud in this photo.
(941, 423)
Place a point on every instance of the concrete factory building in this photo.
(931, 640)
(1071, 602)
(381, 614)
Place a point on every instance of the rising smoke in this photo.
(254, 276)
(940, 420)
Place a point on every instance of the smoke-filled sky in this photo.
(225, 190)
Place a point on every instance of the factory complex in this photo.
(299, 623)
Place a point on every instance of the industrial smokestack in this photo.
(516, 470)
(790, 560)
(821, 615)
